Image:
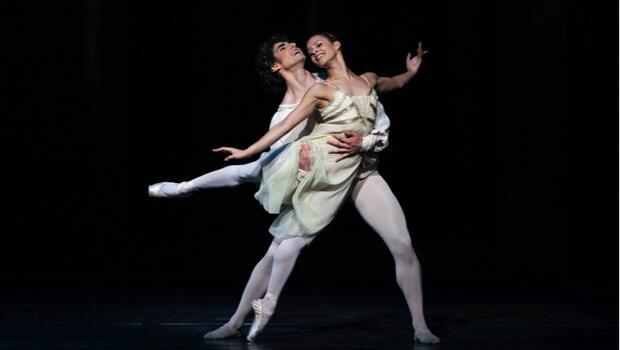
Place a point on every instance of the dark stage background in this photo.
(503, 151)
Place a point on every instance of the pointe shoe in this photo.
(261, 317)
(424, 336)
(183, 189)
(223, 332)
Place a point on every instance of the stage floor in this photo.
(331, 320)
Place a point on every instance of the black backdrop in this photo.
(503, 153)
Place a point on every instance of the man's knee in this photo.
(401, 248)
(248, 172)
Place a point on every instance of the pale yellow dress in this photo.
(305, 206)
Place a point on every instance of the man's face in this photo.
(287, 54)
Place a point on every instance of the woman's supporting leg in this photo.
(254, 289)
(283, 262)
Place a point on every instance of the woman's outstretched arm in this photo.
(308, 105)
(385, 84)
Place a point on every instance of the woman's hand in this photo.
(385, 84)
(413, 63)
(235, 153)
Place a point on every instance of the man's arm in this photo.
(350, 143)
(377, 140)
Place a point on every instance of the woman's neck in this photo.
(337, 70)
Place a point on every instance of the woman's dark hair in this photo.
(265, 59)
(330, 36)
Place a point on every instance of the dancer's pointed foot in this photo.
(263, 309)
(155, 190)
(425, 336)
(171, 189)
(225, 331)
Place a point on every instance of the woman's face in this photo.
(321, 50)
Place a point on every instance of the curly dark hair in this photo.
(265, 59)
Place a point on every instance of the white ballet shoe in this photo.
(183, 189)
(261, 317)
(155, 190)
(223, 332)
(424, 336)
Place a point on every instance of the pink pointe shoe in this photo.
(262, 314)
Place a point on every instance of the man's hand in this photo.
(347, 144)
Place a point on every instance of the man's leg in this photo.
(380, 209)
(229, 176)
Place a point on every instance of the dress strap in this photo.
(328, 84)
(366, 80)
